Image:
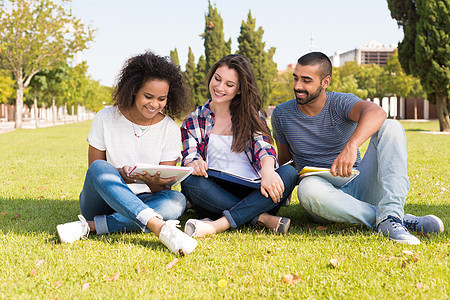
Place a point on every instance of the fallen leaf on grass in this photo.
(26, 188)
(321, 228)
(334, 262)
(33, 272)
(58, 283)
(39, 262)
(42, 188)
(408, 253)
(222, 283)
(172, 263)
(85, 286)
(138, 268)
(419, 285)
(16, 217)
(3, 213)
(411, 255)
(113, 277)
(291, 279)
(404, 264)
(422, 234)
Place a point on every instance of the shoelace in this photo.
(83, 220)
(173, 223)
(411, 224)
(397, 225)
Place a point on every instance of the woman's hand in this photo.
(271, 183)
(200, 167)
(124, 171)
(155, 182)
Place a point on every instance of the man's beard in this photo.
(309, 97)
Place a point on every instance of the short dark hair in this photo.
(137, 70)
(317, 58)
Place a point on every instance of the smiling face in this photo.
(149, 100)
(224, 85)
(308, 85)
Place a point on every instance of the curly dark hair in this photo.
(245, 107)
(147, 66)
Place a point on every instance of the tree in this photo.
(201, 89)
(252, 46)
(6, 86)
(174, 57)
(214, 38)
(189, 74)
(283, 87)
(398, 82)
(424, 51)
(36, 35)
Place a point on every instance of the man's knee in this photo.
(392, 128)
(310, 190)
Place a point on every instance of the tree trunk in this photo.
(415, 109)
(65, 113)
(73, 113)
(19, 100)
(35, 108)
(53, 109)
(442, 111)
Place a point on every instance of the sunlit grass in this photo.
(43, 172)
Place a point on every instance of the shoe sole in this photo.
(405, 242)
(283, 226)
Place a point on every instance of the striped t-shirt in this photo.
(316, 140)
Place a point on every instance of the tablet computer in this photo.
(254, 183)
(166, 171)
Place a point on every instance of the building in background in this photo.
(371, 53)
(396, 107)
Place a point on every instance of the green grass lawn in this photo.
(42, 175)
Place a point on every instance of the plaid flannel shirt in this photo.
(196, 130)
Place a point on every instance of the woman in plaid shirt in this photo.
(228, 134)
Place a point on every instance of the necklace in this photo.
(143, 129)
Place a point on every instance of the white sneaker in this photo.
(175, 240)
(70, 232)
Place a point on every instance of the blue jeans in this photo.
(379, 191)
(237, 203)
(108, 201)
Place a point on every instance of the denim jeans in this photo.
(237, 203)
(108, 201)
(380, 189)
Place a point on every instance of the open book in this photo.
(166, 171)
(253, 183)
(337, 181)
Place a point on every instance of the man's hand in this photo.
(344, 162)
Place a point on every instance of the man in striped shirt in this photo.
(325, 129)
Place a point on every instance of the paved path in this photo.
(29, 124)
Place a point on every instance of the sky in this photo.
(128, 27)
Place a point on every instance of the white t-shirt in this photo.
(220, 157)
(113, 133)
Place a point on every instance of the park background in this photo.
(43, 169)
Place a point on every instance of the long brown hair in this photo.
(245, 106)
